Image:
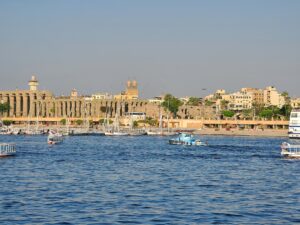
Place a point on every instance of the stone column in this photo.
(31, 108)
(25, 105)
(73, 109)
(11, 105)
(18, 105)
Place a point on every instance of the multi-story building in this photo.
(273, 98)
(295, 103)
(102, 96)
(240, 100)
(257, 95)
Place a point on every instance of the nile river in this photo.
(143, 180)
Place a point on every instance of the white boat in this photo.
(294, 125)
(54, 138)
(290, 151)
(115, 133)
(7, 149)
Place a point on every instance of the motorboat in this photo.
(294, 124)
(186, 139)
(54, 138)
(7, 149)
(290, 151)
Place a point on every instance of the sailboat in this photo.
(115, 131)
(160, 131)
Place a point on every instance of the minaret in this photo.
(33, 84)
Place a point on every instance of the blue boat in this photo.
(186, 139)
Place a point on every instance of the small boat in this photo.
(116, 133)
(290, 151)
(7, 149)
(54, 138)
(186, 139)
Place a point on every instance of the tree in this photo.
(4, 107)
(7, 122)
(135, 124)
(224, 104)
(286, 111)
(227, 113)
(194, 101)
(79, 122)
(286, 96)
(208, 103)
(171, 104)
(63, 121)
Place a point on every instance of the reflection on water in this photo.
(143, 180)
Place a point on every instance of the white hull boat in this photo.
(7, 149)
(290, 151)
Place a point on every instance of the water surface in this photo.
(143, 180)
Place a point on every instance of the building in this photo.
(27, 105)
(131, 92)
(102, 96)
(295, 103)
(273, 98)
(257, 95)
(240, 101)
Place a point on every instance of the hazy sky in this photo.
(168, 46)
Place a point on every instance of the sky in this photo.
(186, 48)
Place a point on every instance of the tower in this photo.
(33, 83)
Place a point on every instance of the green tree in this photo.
(7, 122)
(247, 113)
(171, 104)
(208, 103)
(286, 111)
(227, 113)
(79, 122)
(286, 96)
(63, 121)
(103, 121)
(194, 101)
(4, 107)
(224, 104)
(135, 124)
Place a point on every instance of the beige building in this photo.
(295, 103)
(131, 92)
(27, 105)
(257, 95)
(240, 100)
(272, 97)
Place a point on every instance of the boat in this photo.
(186, 139)
(294, 124)
(115, 130)
(7, 149)
(290, 151)
(54, 138)
(115, 133)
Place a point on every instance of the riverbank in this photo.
(245, 132)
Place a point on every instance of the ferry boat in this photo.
(290, 151)
(7, 149)
(186, 139)
(294, 125)
(54, 138)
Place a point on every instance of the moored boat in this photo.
(186, 139)
(54, 138)
(7, 149)
(290, 151)
(294, 124)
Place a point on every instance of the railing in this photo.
(7, 148)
